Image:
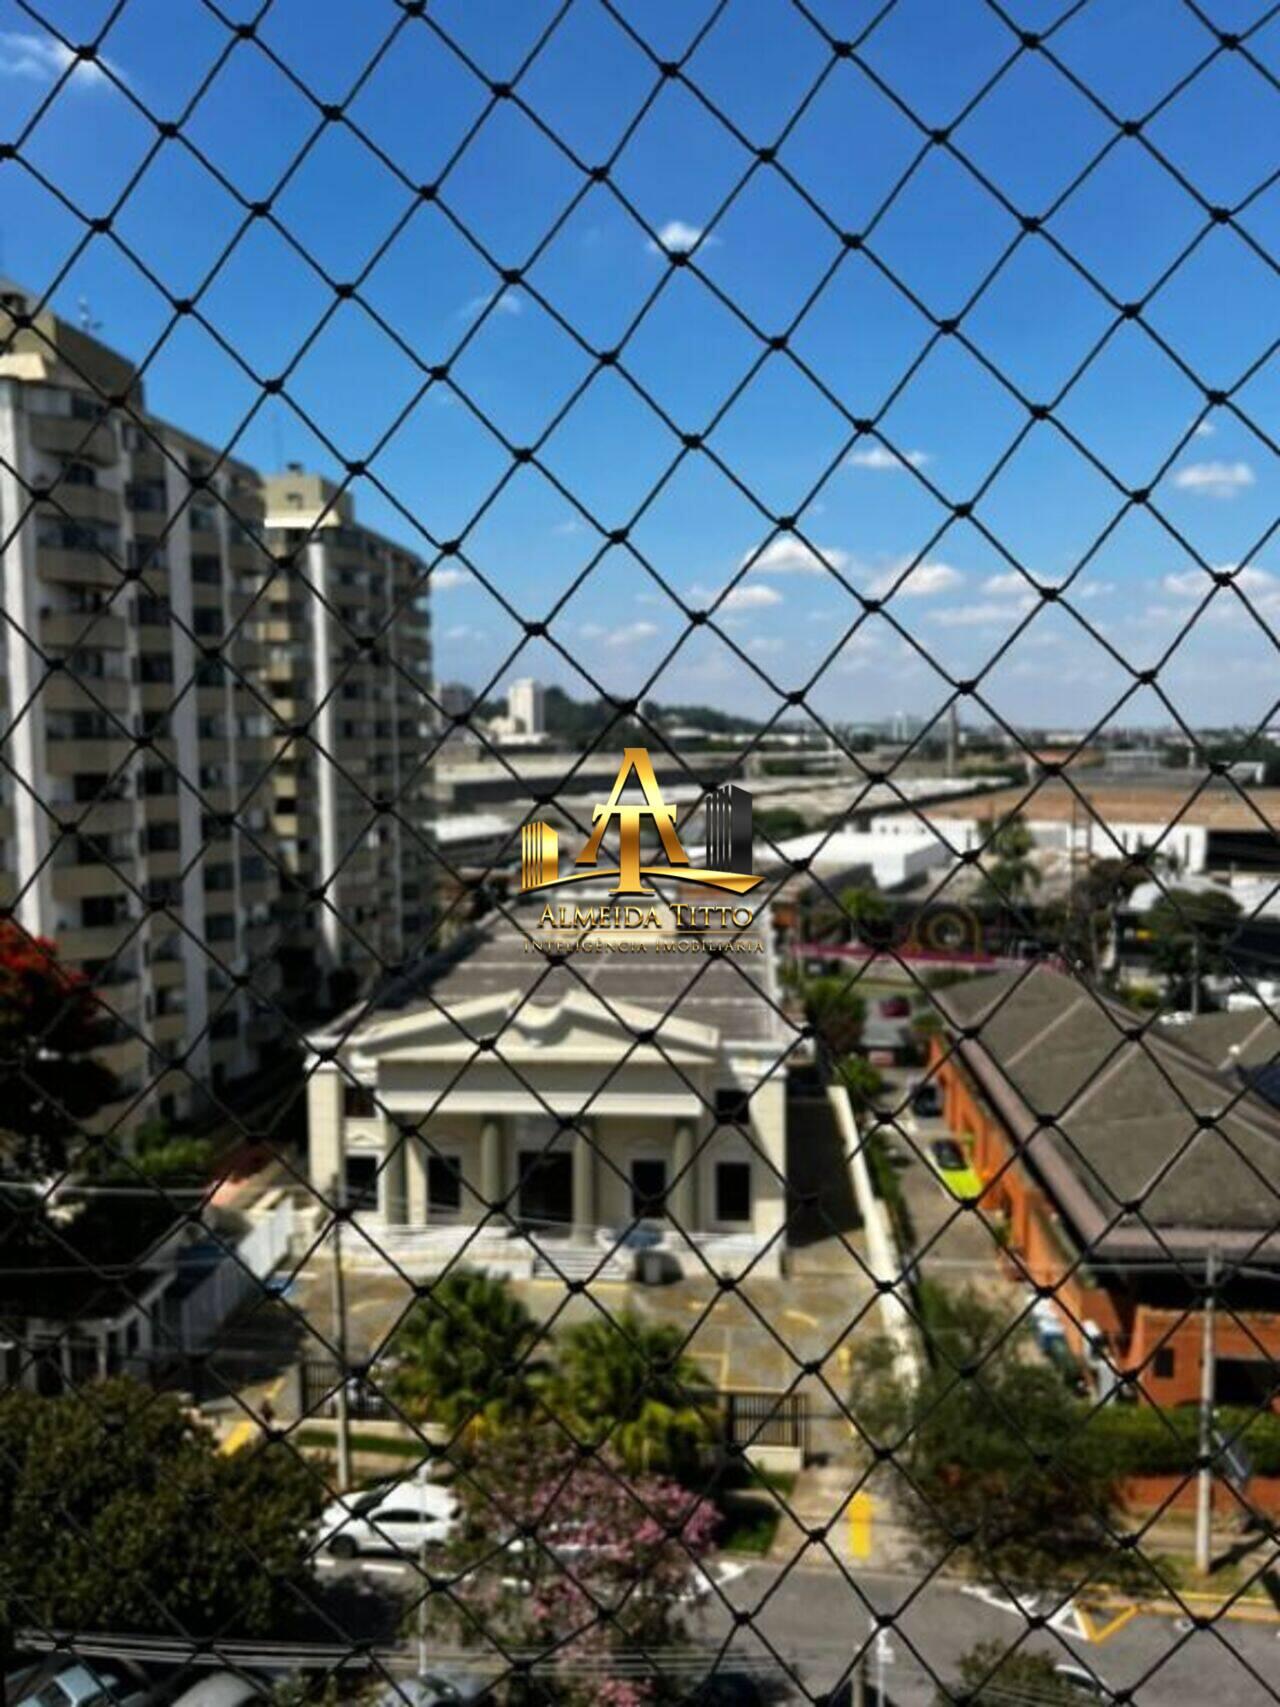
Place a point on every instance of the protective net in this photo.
(558, 1146)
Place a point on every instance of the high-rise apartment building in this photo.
(133, 835)
(348, 667)
(183, 718)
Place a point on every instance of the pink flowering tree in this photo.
(570, 1561)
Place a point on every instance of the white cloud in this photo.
(766, 645)
(881, 460)
(1013, 585)
(507, 302)
(1009, 582)
(1204, 430)
(988, 614)
(446, 579)
(1214, 479)
(566, 528)
(787, 555)
(925, 581)
(679, 236)
(43, 59)
(632, 633)
(750, 595)
(463, 631)
(1195, 583)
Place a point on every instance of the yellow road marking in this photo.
(242, 1432)
(1093, 1632)
(861, 1511)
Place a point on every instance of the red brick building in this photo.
(1118, 1158)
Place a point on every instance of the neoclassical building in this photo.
(536, 1113)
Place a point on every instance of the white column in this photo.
(768, 1117)
(315, 592)
(416, 1181)
(491, 1169)
(395, 1207)
(326, 1149)
(184, 726)
(29, 858)
(684, 1189)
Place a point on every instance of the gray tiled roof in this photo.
(1123, 1114)
(736, 994)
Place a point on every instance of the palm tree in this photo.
(464, 1353)
(631, 1383)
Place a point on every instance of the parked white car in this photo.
(85, 1683)
(395, 1517)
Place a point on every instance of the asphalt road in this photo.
(815, 1620)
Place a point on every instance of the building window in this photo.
(1163, 1363)
(358, 1102)
(733, 1106)
(361, 1175)
(444, 1185)
(733, 1191)
(648, 1188)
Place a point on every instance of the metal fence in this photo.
(839, 438)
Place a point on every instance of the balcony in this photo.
(65, 630)
(107, 754)
(95, 942)
(66, 435)
(84, 503)
(68, 691)
(76, 882)
(76, 567)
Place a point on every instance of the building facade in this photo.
(542, 1152)
(132, 834)
(347, 663)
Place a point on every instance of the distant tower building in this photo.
(953, 739)
(526, 706)
(728, 818)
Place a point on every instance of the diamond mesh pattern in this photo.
(1126, 1162)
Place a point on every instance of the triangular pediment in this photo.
(575, 1025)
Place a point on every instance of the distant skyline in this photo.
(704, 243)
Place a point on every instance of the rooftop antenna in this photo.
(87, 322)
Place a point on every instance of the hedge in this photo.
(1139, 1440)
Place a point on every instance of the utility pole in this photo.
(859, 1681)
(1208, 1361)
(422, 1560)
(339, 1296)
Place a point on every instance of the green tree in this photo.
(863, 1082)
(1190, 932)
(118, 1512)
(630, 1383)
(780, 823)
(866, 911)
(836, 1011)
(1011, 871)
(465, 1352)
(995, 1457)
(993, 1676)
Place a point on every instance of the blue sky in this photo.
(872, 513)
